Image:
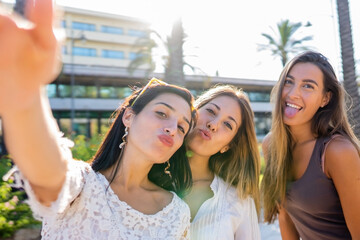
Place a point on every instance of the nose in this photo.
(170, 128)
(212, 125)
(294, 92)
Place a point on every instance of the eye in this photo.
(288, 82)
(309, 86)
(181, 129)
(161, 114)
(210, 111)
(228, 125)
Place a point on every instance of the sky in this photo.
(223, 35)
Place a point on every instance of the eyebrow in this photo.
(173, 109)
(218, 108)
(305, 80)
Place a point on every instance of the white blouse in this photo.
(225, 216)
(86, 210)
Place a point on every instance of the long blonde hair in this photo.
(326, 121)
(240, 165)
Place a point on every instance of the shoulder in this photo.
(79, 166)
(266, 140)
(266, 144)
(341, 154)
(181, 206)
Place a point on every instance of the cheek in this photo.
(284, 92)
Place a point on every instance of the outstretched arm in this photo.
(28, 61)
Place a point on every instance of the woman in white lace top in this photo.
(129, 190)
(224, 161)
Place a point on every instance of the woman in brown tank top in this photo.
(312, 176)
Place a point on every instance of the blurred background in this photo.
(113, 45)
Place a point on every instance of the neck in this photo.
(200, 168)
(301, 134)
(133, 170)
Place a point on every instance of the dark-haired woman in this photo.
(129, 190)
(312, 176)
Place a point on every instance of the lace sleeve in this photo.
(74, 182)
(184, 213)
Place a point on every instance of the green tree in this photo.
(283, 43)
(174, 71)
(146, 46)
(173, 59)
(348, 63)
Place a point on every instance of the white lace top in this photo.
(85, 210)
(225, 216)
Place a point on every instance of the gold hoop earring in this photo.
(122, 145)
(166, 170)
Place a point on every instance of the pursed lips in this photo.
(166, 140)
(205, 134)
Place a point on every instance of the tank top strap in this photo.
(315, 163)
(325, 145)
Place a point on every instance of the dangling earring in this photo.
(166, 170)
(124, 138)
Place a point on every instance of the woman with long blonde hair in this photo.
(224, 161)
(311, 179)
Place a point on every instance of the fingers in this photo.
(40, 12)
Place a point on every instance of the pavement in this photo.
(270, 231)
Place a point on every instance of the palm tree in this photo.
(174, 71)
(19, 7)
(173, 60)
(348, 63)
(283, 43)
(145, 46)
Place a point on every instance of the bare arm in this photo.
(28, 61)
(342, 165)
(287, 227)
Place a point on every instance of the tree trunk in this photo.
(19, 7)
(174, 71)
(348, 63)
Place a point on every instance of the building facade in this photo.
(96, 53)
(95, 78)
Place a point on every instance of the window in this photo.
(64, 90)
(79, 51)
(112, 54)
(63, 50)
(51, 90)
(109, 29)
(259, 96)
(63, 24)
(115, 92)
(136, 33)
(133, 55)
(83, 26)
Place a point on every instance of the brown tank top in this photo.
(313, 202)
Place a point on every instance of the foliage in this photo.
(283, 43)
(348, 64)
(85, 148)
(14, 212)
(173, 57)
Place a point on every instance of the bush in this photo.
(14, 212)
(84, 148)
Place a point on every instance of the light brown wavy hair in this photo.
(240, 165)
(327, 120)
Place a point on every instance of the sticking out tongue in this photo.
(290, 111)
